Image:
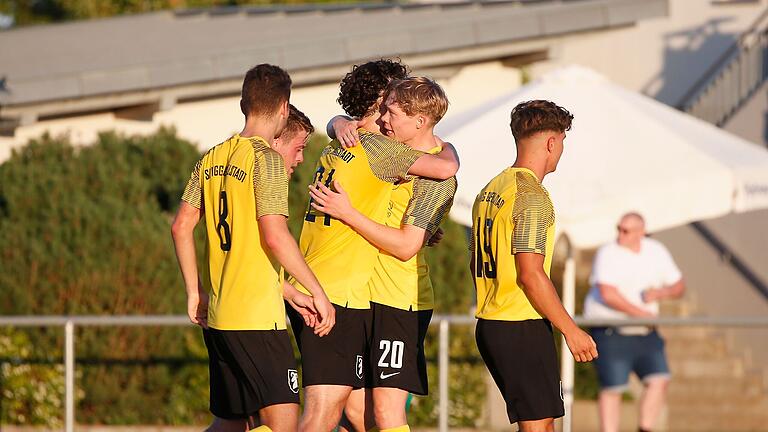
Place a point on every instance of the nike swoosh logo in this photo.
(385, 376)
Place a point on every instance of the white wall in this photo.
(661, 57)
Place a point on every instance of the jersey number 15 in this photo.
(485, 263)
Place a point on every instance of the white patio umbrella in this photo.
(625, 152)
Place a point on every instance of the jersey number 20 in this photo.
(394, 350)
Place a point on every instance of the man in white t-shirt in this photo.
(629, 277)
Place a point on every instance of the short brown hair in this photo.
(265, 88)
(297, 121)
(419, 95)
(531, 117)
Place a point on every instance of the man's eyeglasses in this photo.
(623, 230)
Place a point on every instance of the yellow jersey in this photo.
(512, 214)
(406, 284)
(235, 183)
(341, 258)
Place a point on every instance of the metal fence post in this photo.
(566, 359)
(69, 376)
(443, 376)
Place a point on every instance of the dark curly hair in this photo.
(360, 88)
(530, 117)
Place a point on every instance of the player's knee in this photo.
(319, 413)
(389, 414)
(355, 413)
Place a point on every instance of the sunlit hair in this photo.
(297, 122)
(419, 95)
(531, 117)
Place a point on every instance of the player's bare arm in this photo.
(402, 243)
(615, 300)
(281, 243)
(441, 166)
(543, 297)
(182, 231)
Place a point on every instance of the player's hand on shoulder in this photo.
(581, 345)
(326, 315)
(346, 131)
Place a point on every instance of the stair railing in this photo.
(733, 78)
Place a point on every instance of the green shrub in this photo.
(86, 231)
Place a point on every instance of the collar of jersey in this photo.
(252, 139)
(526, 170)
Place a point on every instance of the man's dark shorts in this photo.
(522, 360)
(621, 354)
(338, 358)
(250, 370)
(397, 357)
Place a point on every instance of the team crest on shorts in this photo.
(359, 367)
(293, 380)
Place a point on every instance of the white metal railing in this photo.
(443, 322)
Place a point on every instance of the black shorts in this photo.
(250, 370)
(338, 358)
(522, 359)
(397, 349)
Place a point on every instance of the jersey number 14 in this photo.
(319, 178)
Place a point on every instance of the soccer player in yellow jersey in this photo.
(342, 259)
(513, 235)
(402, 299)
(240, 187)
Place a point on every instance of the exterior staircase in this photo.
(715, 385)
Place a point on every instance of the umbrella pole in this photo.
(566, 359)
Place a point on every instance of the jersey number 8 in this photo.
(222, 229)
